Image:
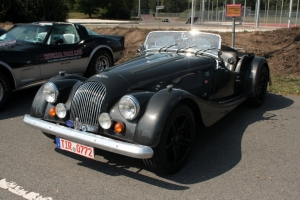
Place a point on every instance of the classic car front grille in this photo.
(86, 105)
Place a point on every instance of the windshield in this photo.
(181, 40)
(90, 32)
(26, 32)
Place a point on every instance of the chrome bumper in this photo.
(97, 141)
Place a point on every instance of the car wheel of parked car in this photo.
(176, 142)
(5, 90)
(260, 95)
(99, 62)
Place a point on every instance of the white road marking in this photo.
(18, 190)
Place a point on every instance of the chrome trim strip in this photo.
(38, 83)
(97, 141)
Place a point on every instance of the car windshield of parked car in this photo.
(183, 40)
(27, 33)
(90, 32)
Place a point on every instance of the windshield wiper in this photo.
(167, 47)
(183, 49)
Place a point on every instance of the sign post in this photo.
(233, 10)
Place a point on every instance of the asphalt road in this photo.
(249, 154)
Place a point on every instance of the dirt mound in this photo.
(281, 47)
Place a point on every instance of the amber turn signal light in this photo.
(52, 112)
(119, 127)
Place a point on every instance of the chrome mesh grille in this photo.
(87, 102)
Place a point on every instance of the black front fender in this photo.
(150, 125)
(64, 85)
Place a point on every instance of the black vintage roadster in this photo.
(147, 107)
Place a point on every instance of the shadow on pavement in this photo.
(19, 103)
(217, 149)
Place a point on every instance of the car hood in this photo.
(14, 45)
(150, 71)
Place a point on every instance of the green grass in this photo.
(285, 84)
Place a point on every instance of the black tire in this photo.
(5, 90)
(100, 61)
(260, 95)
(49, 135)
(176, 142)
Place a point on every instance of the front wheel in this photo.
(100, 61)
(5, 90)
(176, 142)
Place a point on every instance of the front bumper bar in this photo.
(97, 141)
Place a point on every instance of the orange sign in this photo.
(234, 10)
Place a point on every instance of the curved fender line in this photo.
(149, 128)
(95, 50)
(10, 70)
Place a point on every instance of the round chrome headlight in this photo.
(50, 92)
(61, 110)
(129, 107)
(105, 120)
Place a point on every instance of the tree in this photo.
(117, 9)
(18, 11)
(88, 7)
(175, 6)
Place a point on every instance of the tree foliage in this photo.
(88, 7)
(18, 11)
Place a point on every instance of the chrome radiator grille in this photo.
(86, 105)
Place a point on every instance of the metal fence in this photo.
(278, 18)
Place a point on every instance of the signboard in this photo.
(160, 7)
(233, 10)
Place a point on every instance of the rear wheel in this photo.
(260, 95)
(5, 90)
(176, 142)
(100, 61)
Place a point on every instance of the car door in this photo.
(62, 52)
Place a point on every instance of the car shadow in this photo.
(19, 103)
(217, 149)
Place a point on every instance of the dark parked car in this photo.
(2, 31)
(32, 53)
(147, 107)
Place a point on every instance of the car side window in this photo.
(66, 32)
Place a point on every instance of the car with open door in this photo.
(32, 53)
(147, 107)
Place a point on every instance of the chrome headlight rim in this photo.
(61, 110)
(135, 104)
(108, 118)
(48, 96)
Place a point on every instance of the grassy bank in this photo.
(283, 84)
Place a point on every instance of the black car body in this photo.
(32, 53)
(147, 107)
(2, 31)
